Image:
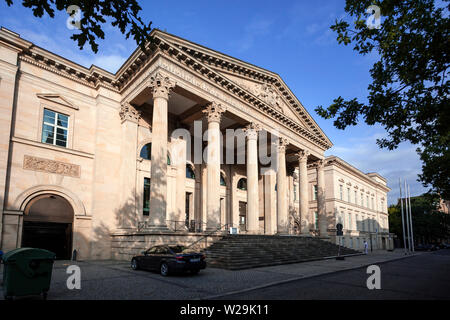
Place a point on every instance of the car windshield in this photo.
(177, 249)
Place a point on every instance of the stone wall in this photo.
(126, 245)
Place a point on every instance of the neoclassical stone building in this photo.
(180, 142)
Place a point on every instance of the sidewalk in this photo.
(115, 280)
(316, 268)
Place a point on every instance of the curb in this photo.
(274, 283)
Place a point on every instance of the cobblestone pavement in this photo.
(116, 280)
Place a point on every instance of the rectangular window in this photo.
(315, 192)
(348, 194)
(367, 201)
(341, 193)
(349, 221)
(356, 197)
(316, 220)
(357, 222)
(295, 192)
(373, 204)
(362, 200)
(146, 208)
(55, 128)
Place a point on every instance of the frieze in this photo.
(51, 166)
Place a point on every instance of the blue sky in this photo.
(291, 38)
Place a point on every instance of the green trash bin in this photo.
(27, 271)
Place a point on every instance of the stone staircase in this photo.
(236, 252)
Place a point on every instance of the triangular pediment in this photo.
(57, 98)
(266, 86)
(267, 93)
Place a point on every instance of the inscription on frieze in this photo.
(51, 166)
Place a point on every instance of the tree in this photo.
(124, 15)
(409, 93)
(429, 225)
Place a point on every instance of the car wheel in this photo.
(134, 264)
(164, 269)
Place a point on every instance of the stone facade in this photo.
(122, 150)
(356, 200)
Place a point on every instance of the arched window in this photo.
(242, 184)
(190, 174)
(222, 181)
(146, 153)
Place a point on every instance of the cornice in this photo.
(352, 170)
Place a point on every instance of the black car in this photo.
(169, 259)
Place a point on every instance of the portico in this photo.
(228, 144)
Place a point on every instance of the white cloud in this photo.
(111, 63)
(256, 28)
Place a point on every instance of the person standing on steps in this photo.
(366, 247)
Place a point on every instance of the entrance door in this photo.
(47, 224)
(55, 237)
(242, 216)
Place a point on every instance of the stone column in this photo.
(213, 111)
(282, 210)
(161, 87)
(179, 160)
(130, 118)
(321, 210)
(303, 189)
(270, 211)
(252, 178)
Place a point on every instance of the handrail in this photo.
(219, 228)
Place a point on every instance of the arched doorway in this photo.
(47, 224)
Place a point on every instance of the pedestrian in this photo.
(1, 256)
(366, 247)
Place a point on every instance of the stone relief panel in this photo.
(51, 166)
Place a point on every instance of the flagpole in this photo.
(407, 219)
(410, 219)
(403, 218)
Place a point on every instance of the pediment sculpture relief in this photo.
(268, 94)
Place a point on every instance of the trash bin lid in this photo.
(27, 253)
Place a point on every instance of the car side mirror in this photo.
(144, 252)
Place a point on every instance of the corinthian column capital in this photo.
(320, 164)
(213, 111)
(161, 86)
(282, 144)
(251, 130)
(303, 155)
(128, 112)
